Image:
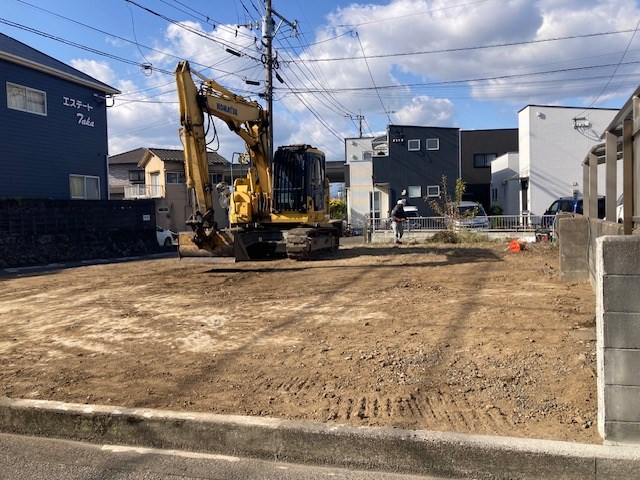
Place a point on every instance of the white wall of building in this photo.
(553, 147)
(358, 155)
(505, 183)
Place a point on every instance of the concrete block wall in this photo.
(617, 275)
(578, 235)
(574, 236)
(599, 228)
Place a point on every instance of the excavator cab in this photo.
(299, 180)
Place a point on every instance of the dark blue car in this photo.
(570, 205)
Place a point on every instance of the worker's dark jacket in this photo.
(398, 213)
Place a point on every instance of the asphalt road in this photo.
(35, 458)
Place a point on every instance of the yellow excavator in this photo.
(281, 207)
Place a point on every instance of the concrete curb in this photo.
(383, 449)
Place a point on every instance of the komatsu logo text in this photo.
(227, 109)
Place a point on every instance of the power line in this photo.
(311, 135)
(333, 104)
(194, 31)
(135, 37)
(77, 45)
(470, 48)
(167, 54)
(318, 117)
(320, 42)
(202, 17)
(317, 69)
(617, 66)
(372, 80)
(470, 80)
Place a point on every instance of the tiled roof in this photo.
(17, 52)
(132, 156)
(170, 155)
(164, 154)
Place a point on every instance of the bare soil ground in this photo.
(472, 339)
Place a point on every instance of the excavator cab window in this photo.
(288, 181)
(297, 175)
(316, 190)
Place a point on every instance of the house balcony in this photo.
(143, 191)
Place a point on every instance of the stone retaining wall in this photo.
(36, 232)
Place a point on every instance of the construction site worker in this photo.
(397, 217)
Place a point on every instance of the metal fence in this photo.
(494, 223)
(132, 192)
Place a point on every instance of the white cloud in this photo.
(402, 26)
(98, 70)
(425, 86)
(422, 110)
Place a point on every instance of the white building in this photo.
(364, 200)
(553, 142)
(506, 183)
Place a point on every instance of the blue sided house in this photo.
(53, 140)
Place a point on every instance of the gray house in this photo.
(417, 159)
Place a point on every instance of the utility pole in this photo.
(358, 117)
(267, 33)
(269, 30)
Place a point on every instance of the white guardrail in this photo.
(494, 223)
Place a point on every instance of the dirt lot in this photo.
(472, 339)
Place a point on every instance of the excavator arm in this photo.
(245, 118)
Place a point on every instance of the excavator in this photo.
(281, 206)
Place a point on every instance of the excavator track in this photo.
(307, 243)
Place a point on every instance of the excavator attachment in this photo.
(216, 244)
(243, 244)
(237, 243)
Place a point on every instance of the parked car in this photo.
(412, 217)
(472, 217)
(166, 238)
(570, 205)
(620, 209)
(573, 205)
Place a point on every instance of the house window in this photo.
(26, 99)
(374, 204)
(494, 195)
(433, 144)
(136, 176)
(414, 191)
(216, 178)
(433, 191)
(482, 160)
(413, 145)
(84, 187)
(175, 178)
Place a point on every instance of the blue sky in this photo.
(464, 63)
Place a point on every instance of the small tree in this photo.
(449, 207)
(337, 208)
